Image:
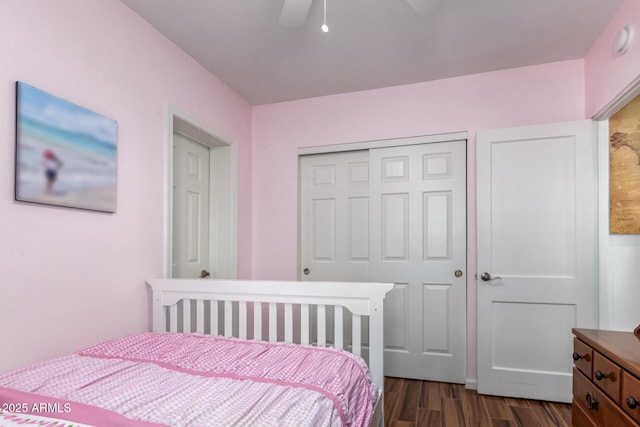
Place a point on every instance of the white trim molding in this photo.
(396, 142)
(628, 93)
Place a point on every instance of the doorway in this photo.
(211, 246)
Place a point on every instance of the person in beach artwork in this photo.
(52, 166)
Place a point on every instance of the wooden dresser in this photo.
(606, 378)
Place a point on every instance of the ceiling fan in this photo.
(294, 12)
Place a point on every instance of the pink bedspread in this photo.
(196, 380)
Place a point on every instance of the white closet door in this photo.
(418, 227)
(395, 215)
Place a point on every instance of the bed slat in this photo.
(200, 316)
(242, 320)
(273, 322)
(257, 321)
(186, 315)
(173, 318)
(356, 334)
(214, 317)
(322, 325)
(288, 323)
(228, 318)
(304, 324)
(338, 327)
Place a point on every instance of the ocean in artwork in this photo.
(66, 154)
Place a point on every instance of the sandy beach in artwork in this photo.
(100, 199)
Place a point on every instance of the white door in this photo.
(536, 256)
(334, 216)
(418, 224)
(190, 207)
(396, 215)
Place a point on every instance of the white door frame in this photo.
(383, 143)
(223, 198)
(606, 287)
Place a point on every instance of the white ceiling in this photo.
(371, 43)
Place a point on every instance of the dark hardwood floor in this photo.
(413, 403)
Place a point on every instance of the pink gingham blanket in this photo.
(198, 380)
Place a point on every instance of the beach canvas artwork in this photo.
(65, 153)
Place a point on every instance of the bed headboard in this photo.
(295, 312)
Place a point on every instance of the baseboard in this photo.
(471, 384)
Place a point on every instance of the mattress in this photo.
(175, 379)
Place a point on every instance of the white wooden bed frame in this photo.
(289, 301)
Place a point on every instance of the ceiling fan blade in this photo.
(294, 13)
(425, 7)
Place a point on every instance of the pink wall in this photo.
(531, 95)
(608, 74)
(65, 273)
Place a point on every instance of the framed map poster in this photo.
(624, 170)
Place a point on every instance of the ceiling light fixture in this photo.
(324, 27)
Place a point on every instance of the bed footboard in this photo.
(295, 312)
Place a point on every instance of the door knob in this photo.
(306, 271)
(203, 274)
(458, 273)
(487, 277)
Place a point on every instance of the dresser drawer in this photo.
(630, 395)
(579, 418)
(582, 357)
(606, 375)
(596, 405)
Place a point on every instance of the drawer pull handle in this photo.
(600, 376)
(577, 356)
(590, 400)
(632, 403)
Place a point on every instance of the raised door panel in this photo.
(436, 226)
(323, 229)
(395, 227)
(533, 208)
